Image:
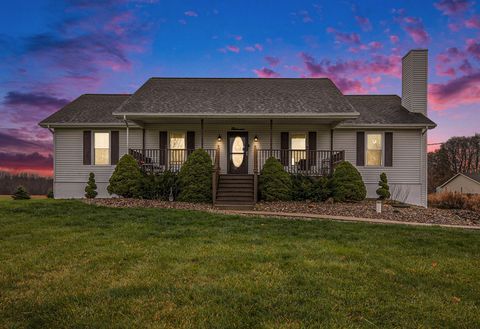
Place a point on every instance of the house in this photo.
(468, 183)
(308, 124)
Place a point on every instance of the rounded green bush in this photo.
(275, 184)
(195, 178)
(347, 183)
(125, 178)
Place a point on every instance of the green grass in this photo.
(67, 264)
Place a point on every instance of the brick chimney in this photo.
(414, 80)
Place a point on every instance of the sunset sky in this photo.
(53, 51)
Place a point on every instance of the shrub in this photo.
(302, 187)
(126, 177)
(50, 194)
(195, 178)
(321, 189)
(91, 188)
(20, 194)
(383, 191)
(454, 200)
(347, 183)
(152, 186)
(275, 184)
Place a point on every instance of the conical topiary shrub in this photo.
(347, 183)
(20, 194)
(91, 188)
(275, 184)
(195, 178)
(383, 191)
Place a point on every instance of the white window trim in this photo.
(109, 147)
(382, 156)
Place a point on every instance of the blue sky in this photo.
(54, 51)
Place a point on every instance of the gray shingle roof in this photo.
(237, 96)
(383, 109)
(88, 108)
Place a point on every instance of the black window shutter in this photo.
(360, 148)
(87, 147)
(312, 147)
(388, 149)
(115, 147)
(190, 142)
(162, 145)
(284, 148)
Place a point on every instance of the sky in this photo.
(52, 51)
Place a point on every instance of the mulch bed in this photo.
(364, 209)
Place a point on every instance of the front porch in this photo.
(304, 162)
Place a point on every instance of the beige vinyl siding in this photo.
(405, 173)
(461, 184)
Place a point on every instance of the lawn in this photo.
(67, 264)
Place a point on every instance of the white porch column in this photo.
(126, 123)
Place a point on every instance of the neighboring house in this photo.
(308, 124)
(468, 183)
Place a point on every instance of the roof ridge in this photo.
(105, 94)
(233, 78)
(368, 95)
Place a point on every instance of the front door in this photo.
(237, 152)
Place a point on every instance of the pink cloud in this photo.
(344, 37)
(238, 37)
(456, 92)
(182, 21)
(364, 23)
(266, 73)
(233, 49)
(473, 23)
(394, 39)
(454, 27)
(191, 13)
(258, 46)
(375, 45)
(273, 61)
(452, 7)
(473, 48)
(250, 49)
(372, 80)
(418, 34)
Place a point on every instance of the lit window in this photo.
(374, 149)
(177, 148)
(298, 144)
(102, 148)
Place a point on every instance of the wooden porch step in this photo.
(229, 206)
(235, 192)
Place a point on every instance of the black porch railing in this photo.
(159, 160)
(307, 162)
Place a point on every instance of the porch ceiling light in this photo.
(255, 139)
(219, 138)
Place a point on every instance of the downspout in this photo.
(126, 123)
(54, 150)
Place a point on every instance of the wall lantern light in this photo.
(255, 139)
(219, 138)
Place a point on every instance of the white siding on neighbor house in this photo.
(461, 184)
(71, 174)
(405, 176)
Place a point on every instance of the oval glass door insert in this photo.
(237, 151)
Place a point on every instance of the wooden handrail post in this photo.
(255, 173)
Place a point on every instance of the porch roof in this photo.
(237, 97)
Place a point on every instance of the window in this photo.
(298, 144)
(374, 149)
(177, 147)
(102, 148)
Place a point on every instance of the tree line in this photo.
(34, 184)
(457, 155)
